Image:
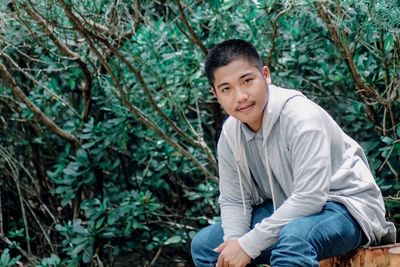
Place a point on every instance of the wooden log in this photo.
(381, 256)
(394, 256)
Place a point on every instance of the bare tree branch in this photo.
(194, 38)
(137, 14)
(86, 85)
(15, 176)
(275, 31)
(365, 90)
(1, 211)
(37, 111)
(30, 77)
(199, 142)
(140, 116)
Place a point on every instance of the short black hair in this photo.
(224, 53)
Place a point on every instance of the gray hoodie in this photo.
(309, 160)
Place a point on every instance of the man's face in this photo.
(242, 91)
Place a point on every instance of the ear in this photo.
(267, 74)
(214, 92)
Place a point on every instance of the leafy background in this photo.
(108, 129)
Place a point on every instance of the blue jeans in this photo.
(302, 242)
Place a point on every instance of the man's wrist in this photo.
(248, 244)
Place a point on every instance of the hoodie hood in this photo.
(277, 98)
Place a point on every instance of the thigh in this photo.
(261, 211)
(331, 232)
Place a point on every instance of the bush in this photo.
(109, 129)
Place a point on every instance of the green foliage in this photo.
(52, 261)
(6, 260)
(141, 181)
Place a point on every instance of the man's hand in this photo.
(232, 255)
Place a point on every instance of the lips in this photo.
(245, 107)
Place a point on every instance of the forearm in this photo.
(234, 222)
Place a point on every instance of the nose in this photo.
(242, 95)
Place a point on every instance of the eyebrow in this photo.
(241, 77)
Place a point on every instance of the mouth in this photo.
(245, 107)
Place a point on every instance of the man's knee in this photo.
(198, 242)
(296, 229)
(203, 244)
(294, 247)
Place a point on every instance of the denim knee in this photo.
(203, 244)
(294, 248)
(298, 229)
(196, 247)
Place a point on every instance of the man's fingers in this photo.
(220, 262)
(219, 248)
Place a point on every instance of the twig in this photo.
(137, 14)
(275, 31)
(14, 173)
(365, 90)
(1, 212)
(194, 38)
(385, 63)
(388, 162)
(5, 239)
(30, 77)
(133, 109)
(97, 260)
(55, 221)
(38, 112)
(29, 57)
(86, 85)
(46, 236)
(156, 257)
(110, 13)
(199, 142)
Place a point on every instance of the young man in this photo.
(294, 188)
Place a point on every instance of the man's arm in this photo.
(234, 222)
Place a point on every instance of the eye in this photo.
(225, 89)
(248, 80)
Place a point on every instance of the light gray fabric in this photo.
(308, 161)
(255, 156)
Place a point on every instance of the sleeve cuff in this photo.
(250, 244)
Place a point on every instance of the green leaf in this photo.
(69, 171)
(173, 240)
(88, 145)
(5, 257)
(82, 156)
(99, 222)
(78, 249)
(79, 229)
(389, 42)
(387, 140)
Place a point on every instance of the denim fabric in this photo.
(303, 242)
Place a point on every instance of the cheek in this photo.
(227, 106)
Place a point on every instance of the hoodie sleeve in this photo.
(309, 150)
(234, 223)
